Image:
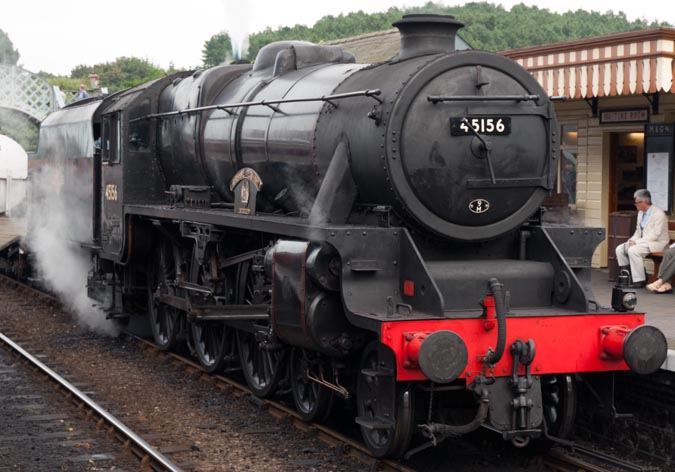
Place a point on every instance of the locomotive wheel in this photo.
(214, 344)
(312, 400)
(559, 401)
(164, 319)
(261, 365)
(261, 358)
(559, 397)
(385, 409)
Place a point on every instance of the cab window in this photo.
(139, 127)
(111, 142)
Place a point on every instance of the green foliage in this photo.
(217, 50)
(122, 73)
(15, 125)
(493, 28)
(64, 83)
(487, 26)
(8, 55)
(326, 29)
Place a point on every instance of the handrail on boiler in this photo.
(268, 103)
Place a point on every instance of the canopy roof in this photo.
(629, 63)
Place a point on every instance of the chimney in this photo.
(427, 34)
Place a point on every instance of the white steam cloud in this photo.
(238, 21)
(59, 219)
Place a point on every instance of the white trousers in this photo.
(635, 257)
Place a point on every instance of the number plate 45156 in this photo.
(492, 125)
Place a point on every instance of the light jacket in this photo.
(655, 234)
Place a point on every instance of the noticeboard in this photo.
(658, 173)
(659, 140)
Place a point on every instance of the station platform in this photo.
(659, 309)
(11, 231)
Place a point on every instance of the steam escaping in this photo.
(59, 218)
(238, 21)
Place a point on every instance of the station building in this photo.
(616, 119)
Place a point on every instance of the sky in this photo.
(56, 36)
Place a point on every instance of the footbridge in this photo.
(25, 92)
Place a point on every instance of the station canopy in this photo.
(632, 63)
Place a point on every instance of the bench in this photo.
(657, 257)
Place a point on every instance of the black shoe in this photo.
(638, 284)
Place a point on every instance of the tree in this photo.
(12, 123)
(123, 73)
(62, 82)
(487, 26)
(15, 125)
(217, 50)
(8, 55)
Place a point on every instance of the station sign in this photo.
(624, 115)
(660, 129)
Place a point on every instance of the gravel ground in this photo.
(215, 430)
(205, 429)
(39, 429)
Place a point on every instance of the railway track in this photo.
(280, 412)
(327, 435)
(582, 459)
(132, 442)
(558, 460)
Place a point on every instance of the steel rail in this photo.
(578, 449)
(148, 450)
(326, 434)
(555, 459)
(564, 462)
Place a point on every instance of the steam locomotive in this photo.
(356, 231)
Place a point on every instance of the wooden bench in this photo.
(657, 257)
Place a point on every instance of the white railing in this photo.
(26, 92)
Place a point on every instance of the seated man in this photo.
(651, 235)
